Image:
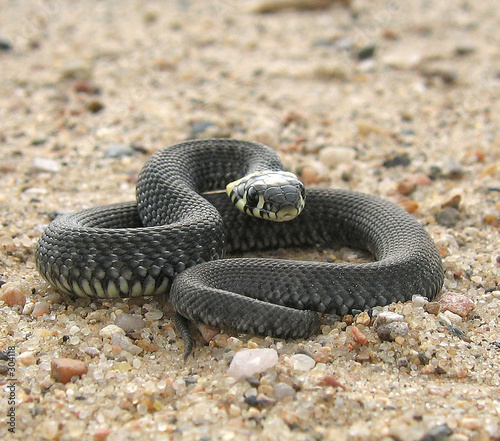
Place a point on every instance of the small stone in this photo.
(419, 301)
(408, 204)
(93, 352)
(95, 106)
(27, 358)
(118, 151)
(207, 332)
(200, 127)
(433, 308)
(49, 429)
(448, 216)
(153, 315)
(358, 336)
(453, 201)
(101, 434)
(302, 362)
(125, 343)
(363, 319)
(402, 160)
(64, 369)
(252, 361)
(330, 380)
(130, 322)
(46, 165)
(390, 331)
(456, 303)
(110, 330)
(387, 317)
(437, 433)
(5, 45)
(147, 345)
(450, 317)
(12, 295)
(309, 175)
(76, 70)
(334, 155)
(406, 187)
(283, 390)
(367, 52)
(40, 309)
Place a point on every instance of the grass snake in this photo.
(173, 238)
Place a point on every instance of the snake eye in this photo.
(252, 197)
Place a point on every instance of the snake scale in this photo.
(173, 238)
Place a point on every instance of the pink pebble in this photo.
(456, 303)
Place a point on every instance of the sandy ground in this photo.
(382, 97)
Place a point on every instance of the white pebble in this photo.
(129, 322)
(302, 362)
(332, 156)
(252, 361)
(388, 317)
(419, 301)
(46, 165)
(110, 330)
(125, 343)
(153, 315)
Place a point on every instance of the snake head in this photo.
(274, 195)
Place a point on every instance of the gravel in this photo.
(415, 120)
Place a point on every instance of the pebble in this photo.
(40, 309)
(64, 369)
(101, 434)
(76, 70)
(450, 317)
(367, 51)
(433, 308)
(125, 343)
(27, 358)
(389, 331)
(331, 156)
(12, 296)
(110, 330)
(200, 127)
(46, 165)
(456, 303)
(5, 45)
(386, 317)
(402, 160)
(419, 301)
(358, 336)
(95, 106)
(363, 319)
(283, 390)
(252, 361)
(448, 216)
(153, 315)
(437, 433)
(302, 362)
(130, 322)
(118, 151)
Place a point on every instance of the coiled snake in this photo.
(139, 248)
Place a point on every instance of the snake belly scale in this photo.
(173, 240)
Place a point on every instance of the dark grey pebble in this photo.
(366, 52)
(5, 45)
(199, 127)
(403, 160)
(448, 216)
(437, 433)
(118, 151)
(390, 331)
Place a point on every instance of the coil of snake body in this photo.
(172, 240)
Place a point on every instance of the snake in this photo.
(174, 238)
